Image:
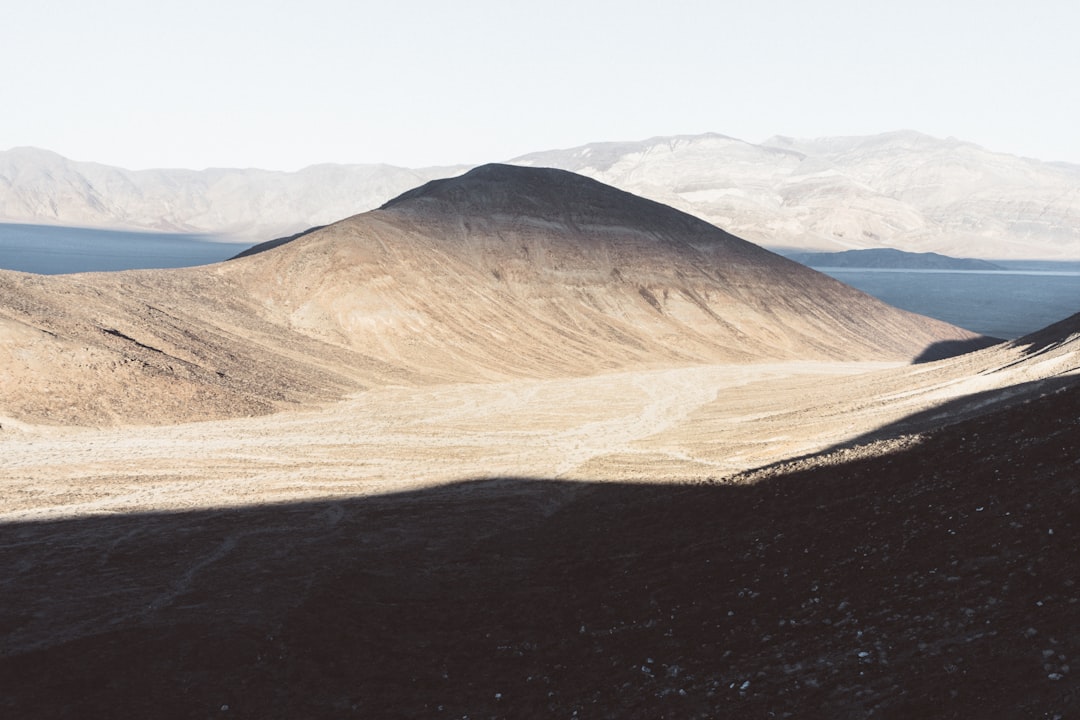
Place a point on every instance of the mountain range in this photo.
(902, 190)
(39, 186)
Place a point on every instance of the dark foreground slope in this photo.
(937, 580)
(502, 273)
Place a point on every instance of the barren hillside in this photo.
(505, 272)
(552, 547)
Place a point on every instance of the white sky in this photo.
(282, 84)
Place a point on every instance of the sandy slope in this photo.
(503, 273)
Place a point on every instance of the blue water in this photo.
(1027, 296)
(49, 250)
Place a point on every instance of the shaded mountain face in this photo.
(504, 272)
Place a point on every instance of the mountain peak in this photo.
(495, 182)
(548, 194)
(29, 154)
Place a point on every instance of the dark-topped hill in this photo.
(556, 195)
(503, 272)
(541, 244)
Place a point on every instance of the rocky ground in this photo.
(921, 575)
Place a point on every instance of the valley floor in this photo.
(394, 439)
(686, 423)
(511, 549)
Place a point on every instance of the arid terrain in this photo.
(466, 456)
(902, 189)
(503, 273)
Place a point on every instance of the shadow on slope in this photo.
(936, 581)
(1050, 337)
(1057, 337)
(964, 408)
(276, 242)
(952, 348)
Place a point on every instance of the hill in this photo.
(504, 272)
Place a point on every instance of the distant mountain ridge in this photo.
(890, 258)
(41, 187)
(903, 190)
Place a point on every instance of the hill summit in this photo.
(501, 273)
(548, 193)
(550, 248)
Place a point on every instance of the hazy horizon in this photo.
(198, 84)
(604, 141)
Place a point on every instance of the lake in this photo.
(50, 250)
(1026, 296)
